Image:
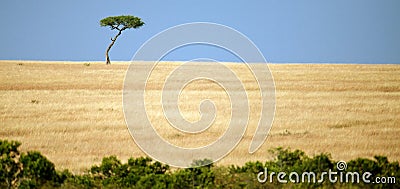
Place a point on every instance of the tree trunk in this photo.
(111, 44)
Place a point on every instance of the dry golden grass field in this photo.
(72, 111)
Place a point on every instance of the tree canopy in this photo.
(122, 22)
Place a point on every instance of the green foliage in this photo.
(80, 181)
(10, 168)
(156, 181)
(380, 167)
(201, 163)
(287, 160)
(196, 177)
(122, 22)
(111, 172)
(37, 169)
(33, 170)
(28, 170)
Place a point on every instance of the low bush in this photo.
(33, 170)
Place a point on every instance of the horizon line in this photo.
(175, 61)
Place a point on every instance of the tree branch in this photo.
(115, 27)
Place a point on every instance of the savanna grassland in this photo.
(72, 111)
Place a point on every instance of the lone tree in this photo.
(120, 23)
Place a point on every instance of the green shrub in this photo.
(37, 169)
(196, 177)
(155, 181)
(80, 181)
(380, 167)
(287, 160)
(26, 170)
(112, 172)
(33, 170)
(10, 167)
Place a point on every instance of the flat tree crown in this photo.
(122, 22)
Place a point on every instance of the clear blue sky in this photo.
(337, 31)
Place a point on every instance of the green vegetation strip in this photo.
(33, 170)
